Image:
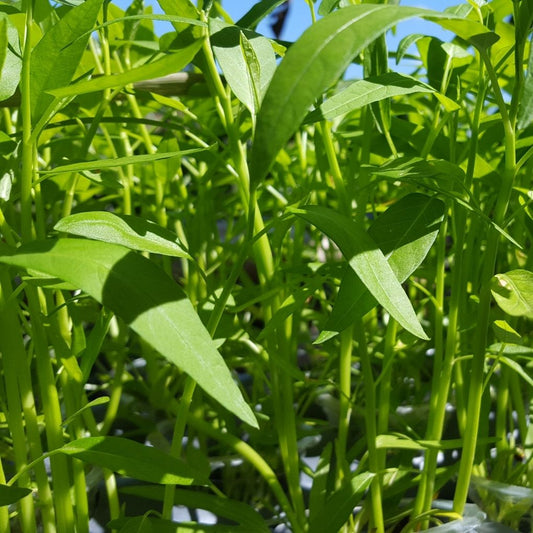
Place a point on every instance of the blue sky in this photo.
(299, 19)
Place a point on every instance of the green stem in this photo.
(345, 356)
(14, 335)
(385, 383)
(9, 342)
(489, 264)
(52, 414)
(116, 394)
(502, 409)
(443, 367)
(177, 440)
(334, 167)
(26, 178)
(345, 403)
(370, 426)
(282, 389)
(254, 458)
(4, 510)
(190, 384)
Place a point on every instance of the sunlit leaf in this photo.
(317, 60)
(257, 12)
(516, 367)
(3, 39)
(99, 164)
(247, 76)
(367, 91)
(513, 292)
(167, 65)
(367, 261)
(133, 232)
(55, 58)
(12, 62)
(505, 333)
(327, 6)
(405, 234)
(148, 301)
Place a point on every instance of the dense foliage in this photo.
(233, 280)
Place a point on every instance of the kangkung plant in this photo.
(233, 279)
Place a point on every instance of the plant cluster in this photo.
(233, 280)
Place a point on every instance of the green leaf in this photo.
(55, 58)
(248, 77)
(516, 367)
(511, 494)
(375, 89)
(317, 60)
(339, 506)
(236, 511)
(132, 459)
(367, 261)
(148, 301)
(513, 292)
(153, 16)
(525, 110)
(406, 43)
(398, 442)
(141, 524)
(512, 350)
(12, 63)
(150, 524)
(405, 234)
(327, 6)
(167, 65)
(440, 176)
(132, 232)
(403, 442)
(102, 400)
(95, 340)
(258, 12)
(505, 333)
(10, 495)
(99, 164)
(3, 39)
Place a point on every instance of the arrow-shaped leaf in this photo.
(367, 261)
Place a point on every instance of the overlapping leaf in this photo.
(12, 62)
(364, 92)
(318, 59)
(167, 65)
(247, 60)
(513, 292)
(56, 56)
(132, 232)
(405, 234)
(367, 261)
(146, 299)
